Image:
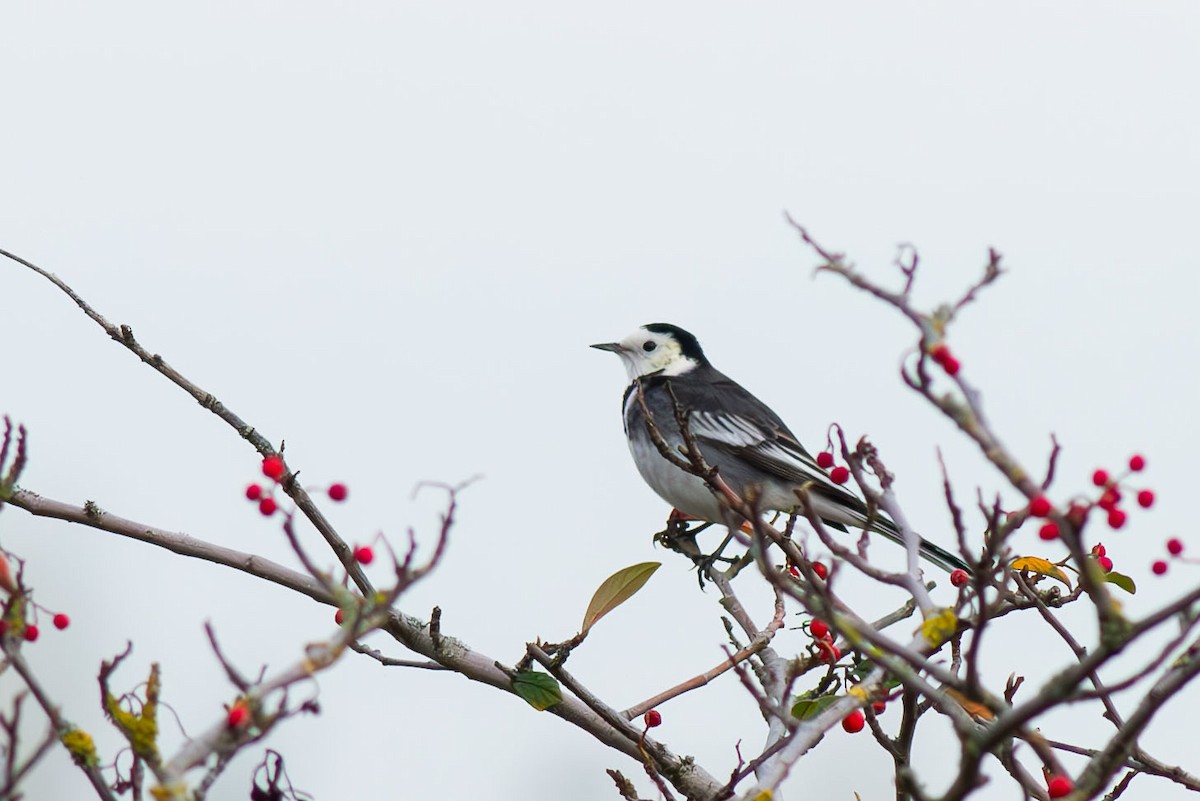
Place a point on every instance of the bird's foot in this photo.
(680, 537)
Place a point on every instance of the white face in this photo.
(644, 352)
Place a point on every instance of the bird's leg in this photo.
(679, 537)
(736, 563)
(717, 555)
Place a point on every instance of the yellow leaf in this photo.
(940, 627)
(858, 692)
(1036, 564)
(765, 795)
(617, 589)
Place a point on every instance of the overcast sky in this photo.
(387, 232)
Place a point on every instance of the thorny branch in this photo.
(414, 634)
(1116, 633)
(987, 726)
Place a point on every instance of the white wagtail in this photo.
(735, 433)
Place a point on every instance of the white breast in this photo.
(681, 489)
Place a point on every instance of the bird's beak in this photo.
(615, 347)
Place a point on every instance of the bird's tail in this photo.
(930, 552)
(941, 557)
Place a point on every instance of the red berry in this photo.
(1174, 546)
(1116, 518)
(652, 718)
(1105, 563)
(854, 722)
(339, 616)
(238, 716)
(878, 707)
(839, 475)
(1077, 514)
(1100, 478)
(272, 468)
(1099, 550)
(1158, 568)
(828, 652)
(338, 492)
(940, 352)
(61, 621)
(1145, 499)
(267, 506)
(951, 365)
(1109, 500)
(795, 571)
(253, 492)
(1059, 787)
(1048, 531)
(959, 577)
(821, 570)
(1039, 506)
(824, 460)
(31, 633)
(364, 555)
(1137, 463)
(818, 628)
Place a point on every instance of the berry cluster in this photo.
(826, 651)
(16, 624)
(1109, 502)
(839, 474)
(1175, 549)
(941, 355)
(829, 653)
(819, 568)
(30, 631)
(274, 468)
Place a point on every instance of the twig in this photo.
(388, 661)
(62, 727)
(759, 642)
(123, 335)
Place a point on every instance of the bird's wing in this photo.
(774, 450)
(769, 447)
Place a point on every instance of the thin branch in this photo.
(759, 642)
(62, 727)
(123, 335)
(412, 632)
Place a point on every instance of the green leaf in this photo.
(617, 589)
(863, 667)
(806, 708)
(540, 690)
(1121, 580)
(860, 669)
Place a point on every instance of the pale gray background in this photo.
(387, 233)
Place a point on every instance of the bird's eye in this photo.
(649, 345)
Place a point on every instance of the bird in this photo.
(749, 444)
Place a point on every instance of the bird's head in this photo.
(657, 348)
